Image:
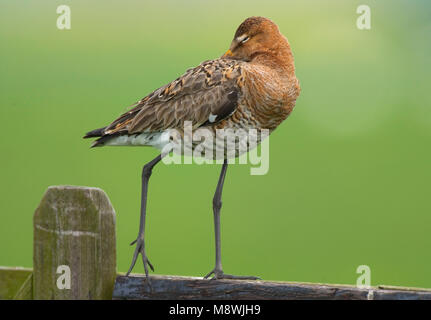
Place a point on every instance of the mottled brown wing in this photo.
(205, 94)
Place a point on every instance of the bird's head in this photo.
(254, 37)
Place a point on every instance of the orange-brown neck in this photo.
(279, 58)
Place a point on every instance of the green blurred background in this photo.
(349, 177)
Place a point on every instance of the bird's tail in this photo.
(95, 133)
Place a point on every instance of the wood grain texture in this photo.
(174, 287)
(11, 279)
(74, 226)
(26, 290)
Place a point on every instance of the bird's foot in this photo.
(140, 249)
(219, 274)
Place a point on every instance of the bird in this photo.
(251, 86)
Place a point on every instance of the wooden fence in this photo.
(74, 257)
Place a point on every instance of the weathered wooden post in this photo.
(74, 254)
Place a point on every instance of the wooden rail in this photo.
(174, 287)
(74, 257)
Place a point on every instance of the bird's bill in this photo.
(227, 54)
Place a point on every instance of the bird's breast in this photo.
(269, 98)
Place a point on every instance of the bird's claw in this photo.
(140, 249)
(219, 274)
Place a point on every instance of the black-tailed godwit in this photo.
(252, 86)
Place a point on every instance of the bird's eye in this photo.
(245, 39)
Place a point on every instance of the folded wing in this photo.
(204, 95)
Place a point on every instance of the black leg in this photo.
(218, 270)
(140, 243)
(216, 210)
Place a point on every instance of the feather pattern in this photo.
(211, 89)
(252, 86)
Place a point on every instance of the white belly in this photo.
(154, 139)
